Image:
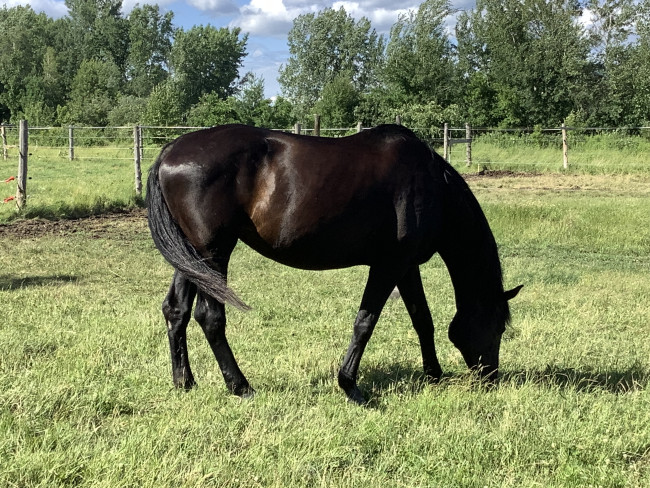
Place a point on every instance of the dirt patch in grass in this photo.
(97, 226)
(499, 173)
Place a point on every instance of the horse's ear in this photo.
(510, 294)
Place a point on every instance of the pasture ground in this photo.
(85, 383)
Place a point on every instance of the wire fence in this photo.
(85, 159)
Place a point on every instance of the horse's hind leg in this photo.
(380, 285)
(410, 287)
(177, 309)
(211, 316)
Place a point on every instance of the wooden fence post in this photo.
(3, 132)
(565, 147)
(297, 128)
(317, 125)
(141, 143)
(21, 190)
(445, 142)
(136, 159)
(468, 136)
(71, 143)
(398, 119)
(359, 127)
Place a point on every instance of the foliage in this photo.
(150, 43)
(430, 115)
(78, 69)
(251, 105)
(338, 102)
(128, 110)
(526, 56)
(324, 45)
(165, 105)
(23, 46)
(248, 107)
(206, 60)
(212, 110)
(94, 92)
(508, 63)
(97, 31)
(419, 56)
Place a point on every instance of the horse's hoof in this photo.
(246, 393)
(433, 377)
(355, 396)
(184, 383)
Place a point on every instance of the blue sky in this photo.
(266, 21)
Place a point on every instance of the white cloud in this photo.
(274, 18)
(266, 18)
(215, 7)
(53, 8)
(586, 19)
(380, 17)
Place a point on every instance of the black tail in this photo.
(174, 246)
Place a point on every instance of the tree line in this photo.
(505, 63)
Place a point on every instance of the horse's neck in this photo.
(470, 254)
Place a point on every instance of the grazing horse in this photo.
(379, 198)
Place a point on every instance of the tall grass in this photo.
(85, 384)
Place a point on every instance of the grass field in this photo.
(85, 383)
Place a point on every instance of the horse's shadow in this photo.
(378, 381)
(614, 381)
(16, 283)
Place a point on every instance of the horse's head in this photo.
(476, 331)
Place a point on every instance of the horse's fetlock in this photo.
(346, 382)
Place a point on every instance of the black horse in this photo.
(380, 198)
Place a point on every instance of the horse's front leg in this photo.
(177, 309)
(410, 287)
(380, 285)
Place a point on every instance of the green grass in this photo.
(85, 385)
(99, 180)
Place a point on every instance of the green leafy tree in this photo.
(94, 92)
(608, 99)
(23, 45)
(251, 105)
(338, 102)
(641, 62)
(128, 110)
(322, 46)
(165, 105)
(420, 55)
(97, 31)
(528, 56)
(478, 94)
(206, 60)
(281, 116)
(150, 43)
(213, 110)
